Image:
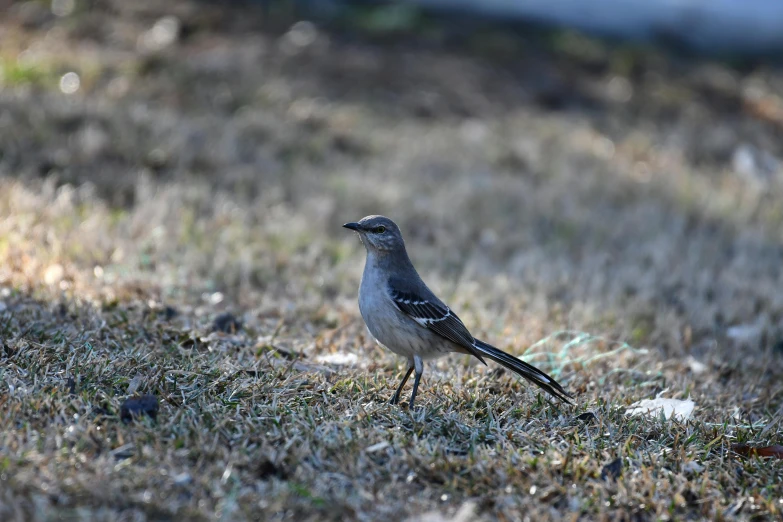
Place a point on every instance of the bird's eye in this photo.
(379, 230)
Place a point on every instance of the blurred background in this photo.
(625, 180)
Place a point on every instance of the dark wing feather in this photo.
(432, 314)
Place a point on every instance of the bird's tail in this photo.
(529, 372)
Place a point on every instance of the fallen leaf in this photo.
(138, 406)
(670, 408)
(746, 450)
(169, 313)
(266, 468)
(227, 323)
(612, 470)
(587, 416)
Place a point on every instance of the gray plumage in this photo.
(404, 316)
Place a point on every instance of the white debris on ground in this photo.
(339, 358)
(681, 409)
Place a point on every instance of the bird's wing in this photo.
(431, 313)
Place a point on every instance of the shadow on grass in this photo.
(328, 124)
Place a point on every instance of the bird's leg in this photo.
(419, 366)
(396, 397)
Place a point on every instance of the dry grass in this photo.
(213, 176)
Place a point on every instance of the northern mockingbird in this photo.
(404, 316)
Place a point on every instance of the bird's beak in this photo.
(352, 226)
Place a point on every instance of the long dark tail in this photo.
(529, 372)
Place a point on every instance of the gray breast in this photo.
(389, 326)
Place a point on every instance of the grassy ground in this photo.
(563, 185)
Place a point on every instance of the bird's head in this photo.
(378, 234)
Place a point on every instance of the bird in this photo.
(404, 316)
